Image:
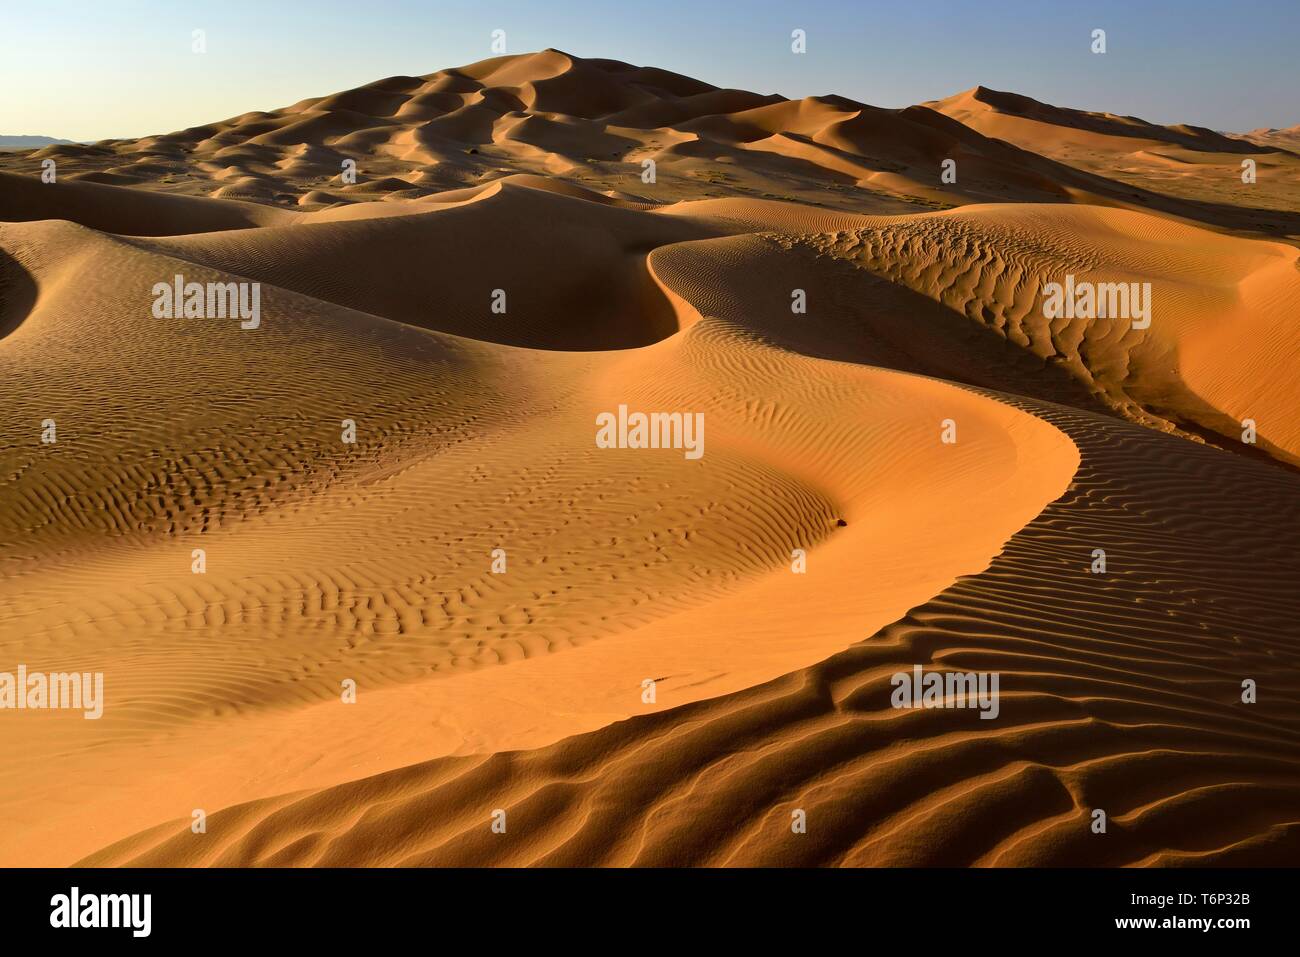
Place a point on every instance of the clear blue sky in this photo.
(122, 68)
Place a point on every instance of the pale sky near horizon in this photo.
(97, 69)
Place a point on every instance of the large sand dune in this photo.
(1184, 161)
(523, 690)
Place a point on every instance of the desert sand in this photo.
(482, 688)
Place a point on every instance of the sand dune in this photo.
(106, 207)
(596, 122)
(601, 298)
(601, 545)
(797, 274)
(1184, 161)
(1124, 693)
(1008, 113)
(1287, 139)
(1222, 309)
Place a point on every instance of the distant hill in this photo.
(28, 142)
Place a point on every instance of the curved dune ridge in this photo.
(500, 588)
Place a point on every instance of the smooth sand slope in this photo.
(373, 561)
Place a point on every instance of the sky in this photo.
(97, 69)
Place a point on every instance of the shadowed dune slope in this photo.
(582, 286)
(1220, 311)
(131, 212)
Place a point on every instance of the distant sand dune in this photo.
(597, 121)
(1188, 162)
